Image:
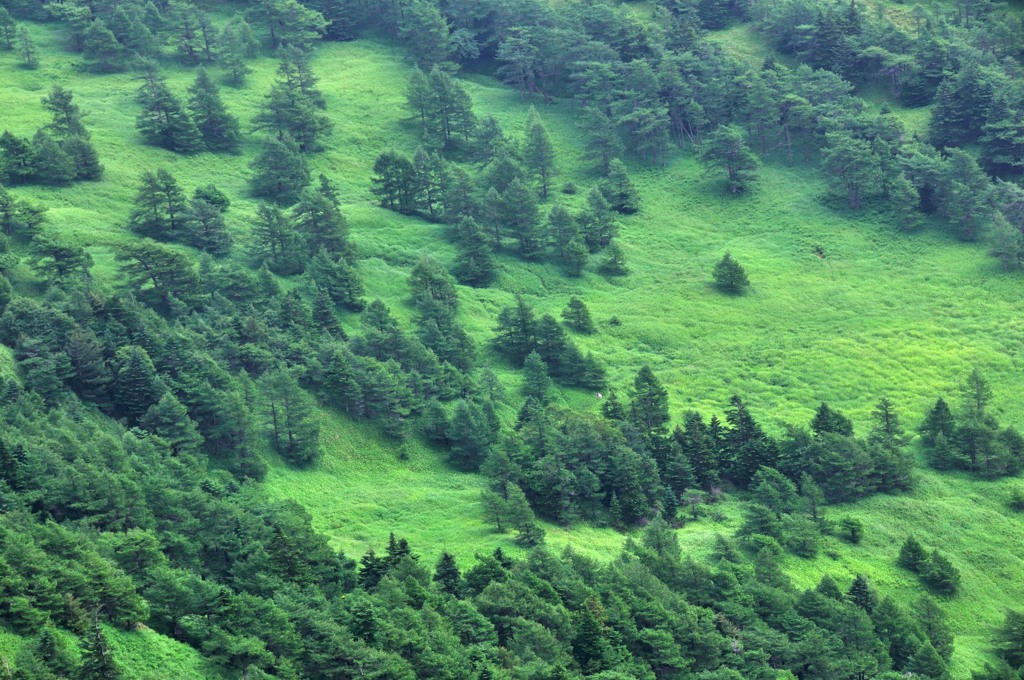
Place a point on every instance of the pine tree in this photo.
(97, 658)
(730, 276)
(280, 171)
(101, 50)
(912, 555)
(294, 429)
(275, 242)
(538, 151)
(515, 332)
(725, 149)
(474, 264)
(8, 28)
(218, 128)
(204, 228)
(318, 217)
(338, 279)
(394, 182)
(163, 121)
(576, 255)
(27, 48)
(862, 594)
(577, 316)
(159, 210)
(619, 189)
(169, 420)
(598, 225)
(927, 663)
(520, 219)
(447, 575)
(536, 383)
(234, 50)
(292, 106)
(50, 163)
(136, 383)
(614, 262)
(522, 519)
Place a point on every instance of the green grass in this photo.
(885, 313)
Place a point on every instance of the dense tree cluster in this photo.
(59, 153)
(971, 439)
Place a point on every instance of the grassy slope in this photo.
(903, 315)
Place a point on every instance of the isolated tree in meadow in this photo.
(280, 171)
(577, 316)
(726, 149)
(394, 182)
(218, 128)
(27, 49)
(730, 276)
(8, 28)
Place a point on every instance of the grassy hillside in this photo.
(884, 313)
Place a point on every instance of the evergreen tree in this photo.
(474, 264)
(169, 420)
(275, 242)
(619, 189)
(862, 594)
(159, 210)
(576, 255)
(394, 182)
(538, 151)
(614, 262)
(294, 429)
(447, 575)
(97, 658)
(730, 276)
(204, 228)
(725, 149)
(27, 49)
(912, 555)
(101, 50)
(50, 163)
(163, 121)
(469, 436)
(927, 663)
(8, 28)
(425, 29)
(515, 332)
(279, 170)
(338, 279)
(218, 128)
(536, 383)
(577, 316)
(234, 50)
(292, 106)
(136, 384)
(318, 217)
(520, 219)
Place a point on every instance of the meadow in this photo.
(883, 313)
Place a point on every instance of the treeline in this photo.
(105, 526)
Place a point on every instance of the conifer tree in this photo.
(536, 383)
(275, 242)
(169, 420)
(101, 50)
(218, 128)
(318, 217)
(338, 279)
(163, 121)
(520, 219)
(730, 276)
(50, 163)
(538, 151)
(8, 28)
(619, 189)
(474, 264)
(447, 575)
(280, 171)
(614, 262)
(291, 420)
(235, 48)
(97, 658)
(136, 383)
(725, 149)
(27, 48)
(576, 255)
(159, 210)
(204, 228)
(577, 316)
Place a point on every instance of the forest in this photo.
(518, 339)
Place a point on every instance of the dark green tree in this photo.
(279, 171)
(577, 316)
(538, 151)
(725, 149)
(163, 121)
(291, 417)
(218, 128)
(730, 276)
(159, 210)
